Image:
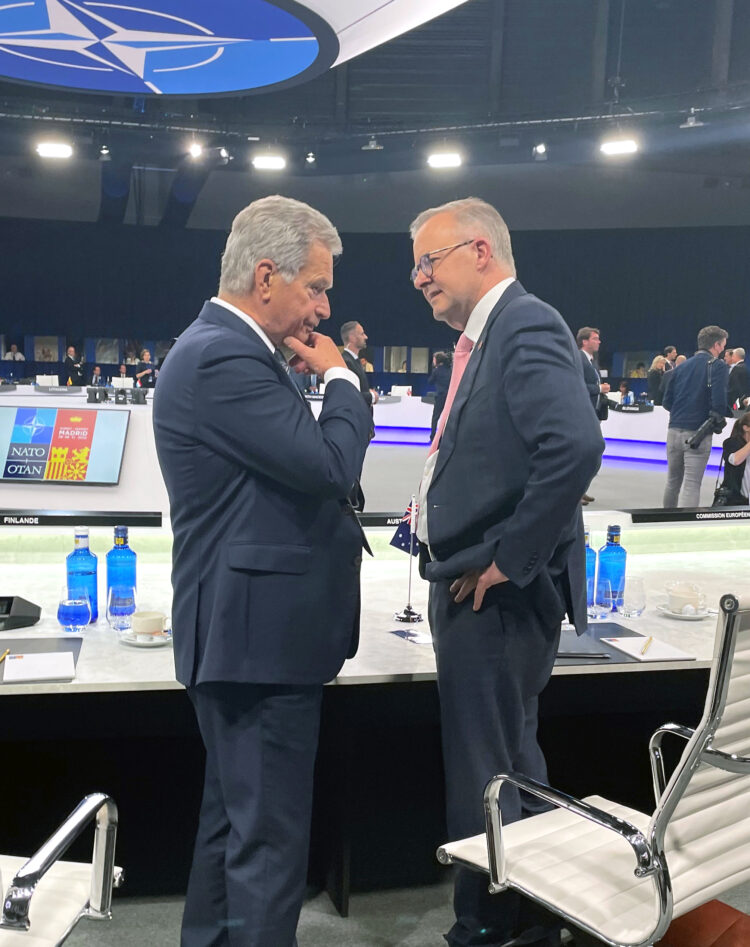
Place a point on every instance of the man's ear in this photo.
(484, 253)
(265, 272)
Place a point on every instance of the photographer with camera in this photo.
(735, 488)
(697, 403)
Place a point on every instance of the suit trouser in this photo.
(685, 468)
(249, 868)
(491, 666)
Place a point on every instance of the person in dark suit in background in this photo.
(588, 341)
(354, 341)
(72, 373)
(266, 560)
(670, 354)
(500, 531)
(440, 378)
(738, 387)
(97, 378)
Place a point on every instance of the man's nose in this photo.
(420, 280)
(323, 309)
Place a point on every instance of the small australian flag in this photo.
(402, 538)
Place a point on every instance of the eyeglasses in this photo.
(426, 262)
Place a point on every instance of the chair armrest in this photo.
(645, 863)
(18, 897)
(658, 773)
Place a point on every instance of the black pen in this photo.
(583, 654)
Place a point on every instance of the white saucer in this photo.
(696, 616)
(141, 641)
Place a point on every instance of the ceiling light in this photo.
(310, 157)
(372, 145)
(223, 153)
(444, 159)
(104, 150)
(269, 162)
(539, 150)
(619, 146)
(195, 150)
(54, 149)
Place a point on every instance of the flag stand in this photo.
(408, 614)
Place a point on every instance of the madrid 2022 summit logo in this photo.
(163, 47)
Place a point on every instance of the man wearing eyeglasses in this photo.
(500, 530)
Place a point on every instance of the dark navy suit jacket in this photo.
(266, 559)
(521, 445)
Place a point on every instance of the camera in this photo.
(714, 424)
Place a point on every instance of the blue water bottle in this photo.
(80, 566)
(120, 562)
(612, 558)
(590, 571)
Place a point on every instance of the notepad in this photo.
(657, 650)
(45, 666)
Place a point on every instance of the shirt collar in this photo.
(248, 320)
(588, 355)
(481, 312)
(353, 354)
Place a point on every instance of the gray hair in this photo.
(472, 214)
(346, 330)
(710, 335)
(274, 228)
(739, 354)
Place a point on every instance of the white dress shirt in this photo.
(330, 375)
(474, 328)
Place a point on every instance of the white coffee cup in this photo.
(147, 624)
(685, 597)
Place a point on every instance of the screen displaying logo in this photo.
(62, 445)
(163, 47)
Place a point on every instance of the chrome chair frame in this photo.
(650, 858)
(104, 876)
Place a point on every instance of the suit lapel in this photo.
(448, 440)
(218, 315)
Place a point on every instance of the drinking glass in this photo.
(602, 605)
(74, 609)
(634, 597)
(121, 603)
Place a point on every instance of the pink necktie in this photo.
(460, 360)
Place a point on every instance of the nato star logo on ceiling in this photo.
(176, 47)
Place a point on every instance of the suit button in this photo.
(526, 569)
(357, 561)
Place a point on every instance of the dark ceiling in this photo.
(495, 76)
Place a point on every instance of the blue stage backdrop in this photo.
(642, 288)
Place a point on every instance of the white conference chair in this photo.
(623, 875)
(47, 897)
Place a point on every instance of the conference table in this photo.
(125, 726)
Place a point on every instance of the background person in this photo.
(13, 355)
(500, 530)
(670, 353)
(72, 373)
(738, 387)
(697, 388)
(440, 378)
(588, 341)
(655, 376)
(354, 340)
(145, 371)
(266, 560)
(735, 451)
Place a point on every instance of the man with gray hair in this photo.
(500, 531)
(266, 560)
(738, 388)
(697, 391)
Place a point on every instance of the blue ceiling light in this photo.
(163, 47)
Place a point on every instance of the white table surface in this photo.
(105, 664)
